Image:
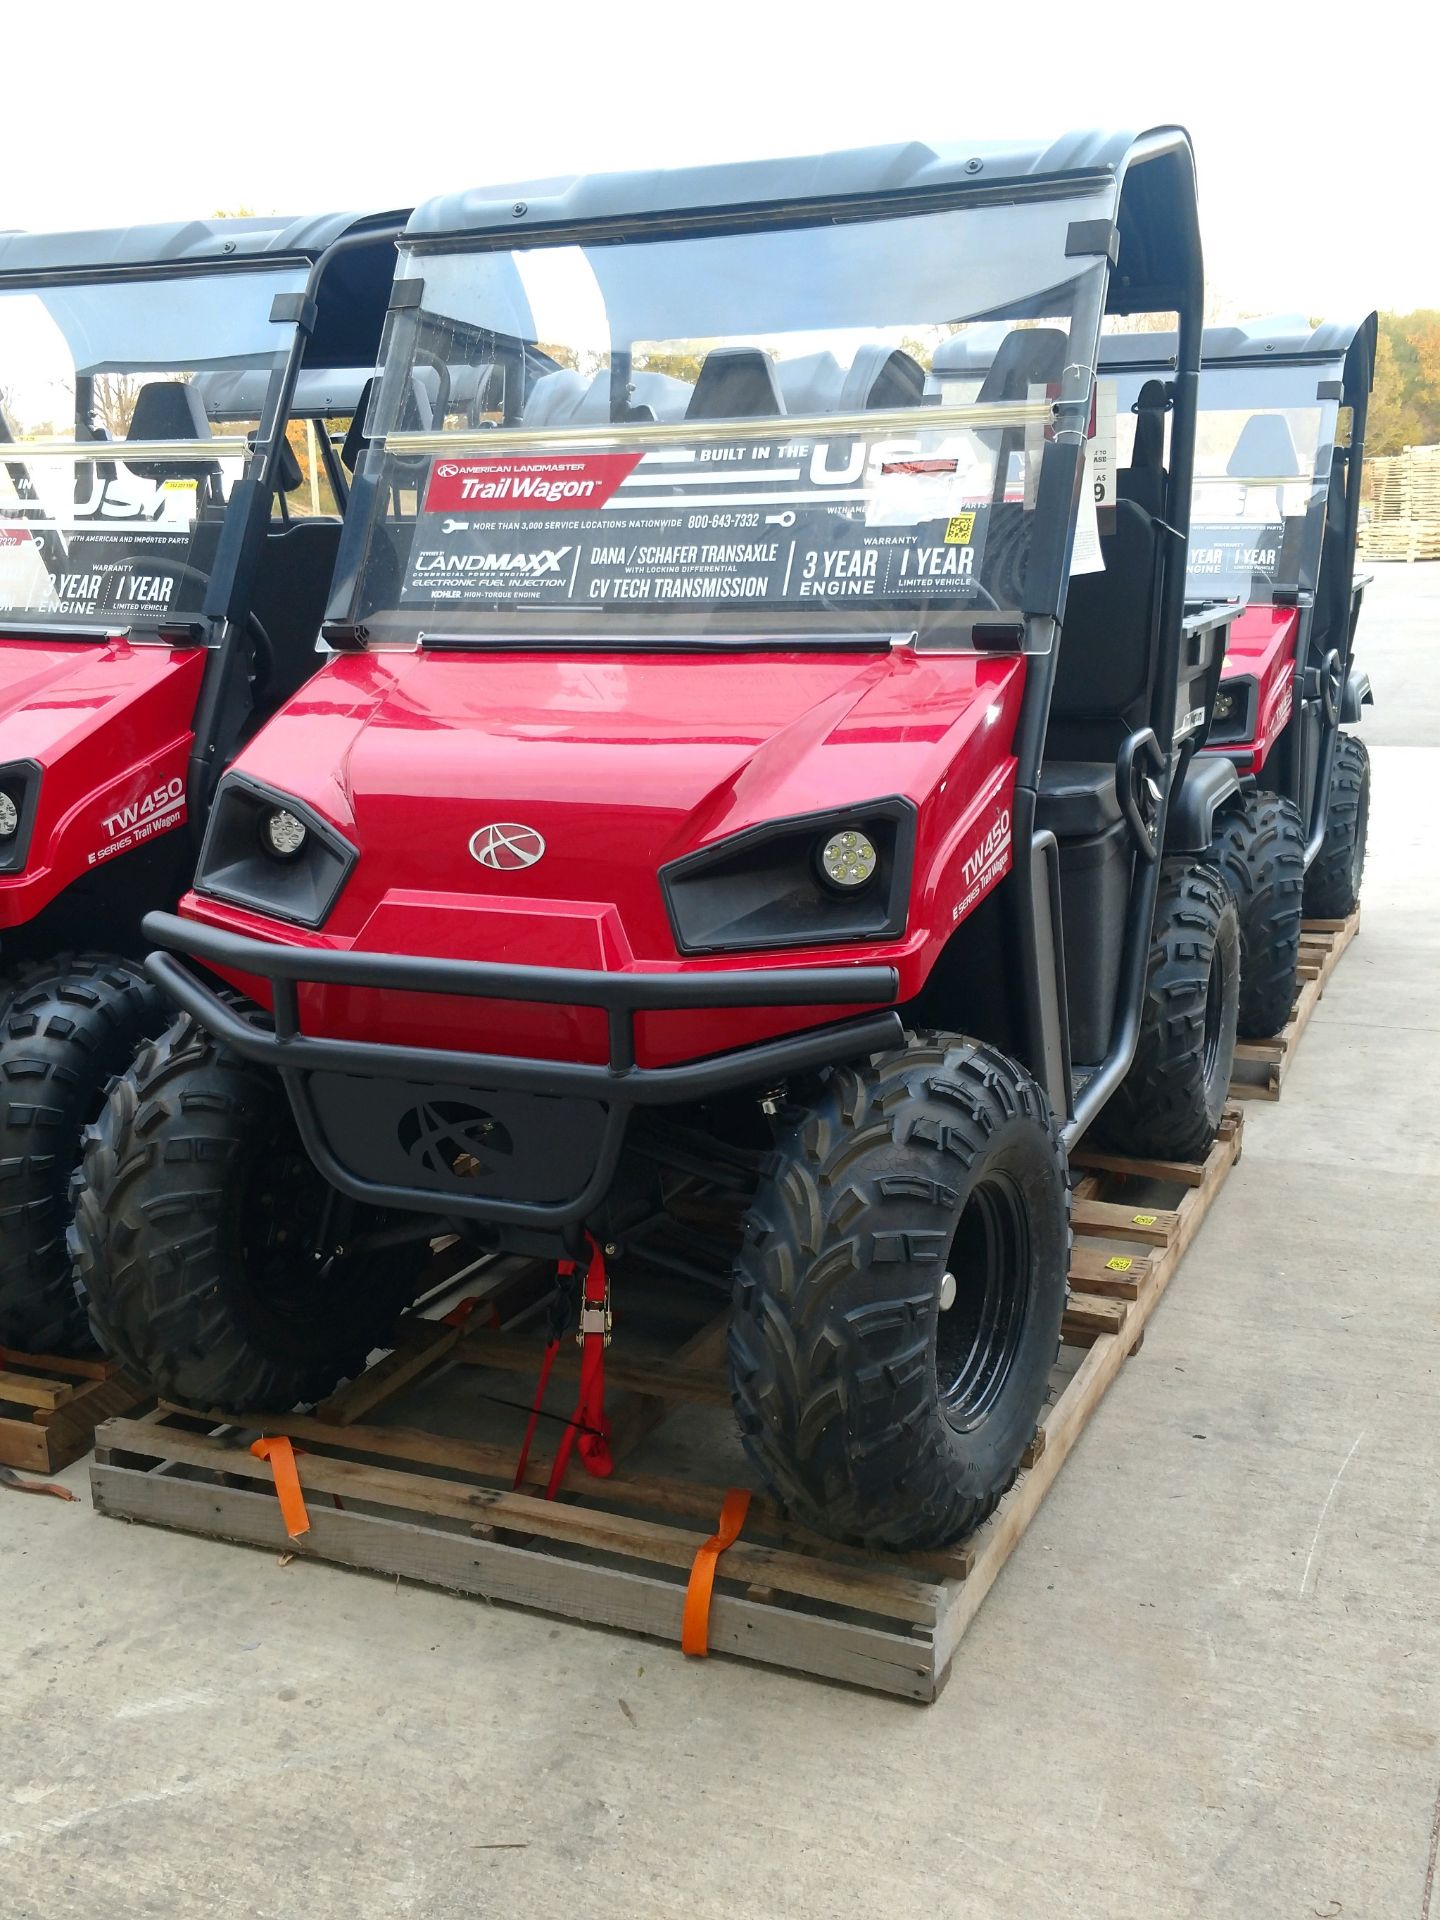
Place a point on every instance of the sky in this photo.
(1315, 133)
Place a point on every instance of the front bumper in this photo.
(513, 1142)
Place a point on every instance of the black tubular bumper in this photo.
(367, 1109)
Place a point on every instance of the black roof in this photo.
(180, 243)
(1277, 337)
(1159, 242)
(853, 172)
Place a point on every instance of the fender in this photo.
(1357, 694)
(1208, 784)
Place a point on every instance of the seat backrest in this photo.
(811, 383)
(1143, 481)
(1264, 450)
(356, 439)
(881, 376)
(292, 585)
(1105, 673)
(555, 398)
(170, 410)
(735, 383)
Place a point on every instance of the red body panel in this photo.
(110, 727)
(622, 763)
(1262, 644)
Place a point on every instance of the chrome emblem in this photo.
(506, 847)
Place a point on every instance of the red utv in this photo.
(705, 799)
(164, 562)
(1279, 448)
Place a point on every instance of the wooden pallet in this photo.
(50, 1406)
(388, 1492)
(1261, 1065)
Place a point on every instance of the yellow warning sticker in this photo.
(1143, 1219)
(1120, 1263)
(959, 529)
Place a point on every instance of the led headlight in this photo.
(848, 858)
(9, 816)
(282, 833)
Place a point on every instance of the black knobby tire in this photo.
(194, 1236)
(1332, 886)
(68, 1026)
(1260, 849)
(873, 1416)
(1170, 1102)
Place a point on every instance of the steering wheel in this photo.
(262, 648)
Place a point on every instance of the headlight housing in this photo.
(800, 882)
(1233, 718)
(19, 791)
(270, 852)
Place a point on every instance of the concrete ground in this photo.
(1206, 1685)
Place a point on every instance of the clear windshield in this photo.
(1263, 446)
(114, 472)
(729, 431)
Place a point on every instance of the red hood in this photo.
(108, 725)
(620, 762)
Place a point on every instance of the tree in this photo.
(115, 397)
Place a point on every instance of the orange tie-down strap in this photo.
(695, 1623)
(281, 1455)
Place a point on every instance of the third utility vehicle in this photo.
(1279, 448)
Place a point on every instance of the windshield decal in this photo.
(1228, 558)
(868, 516)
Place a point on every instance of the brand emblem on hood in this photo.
(505, 847)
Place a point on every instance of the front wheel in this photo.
(1260, 849)
(899, 1293)
(1170, 1102)
(1332, 886)
(69, 1026)
(200, 1238)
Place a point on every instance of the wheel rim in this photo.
(1214, 1016)
(978, 1337)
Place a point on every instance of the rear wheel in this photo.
(1332, 886)
(200, 1238)
(899, 1293)
(1260, 849)
(69, 1025)
(1170, 1102)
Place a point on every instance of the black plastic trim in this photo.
(1100, 237)
(891, 885)
(240, 790)
(21, 780)
(1240, 726)
(1210, 781)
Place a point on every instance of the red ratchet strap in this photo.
(280, 1452)
(695, 1621)
(587, 1429)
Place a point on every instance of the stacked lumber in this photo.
(1404, 518)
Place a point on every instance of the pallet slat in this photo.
(51, 1404)
(891, 1623)
(1321, 944)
